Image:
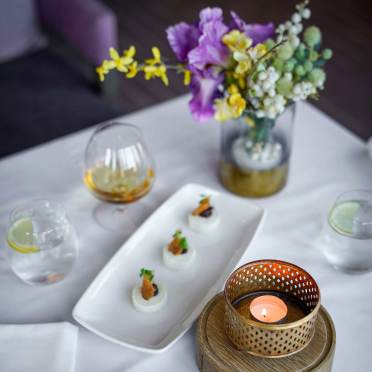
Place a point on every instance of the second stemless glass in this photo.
(118, 169)
(347, 232)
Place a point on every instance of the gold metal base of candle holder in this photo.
(264, 339)
(216, 353)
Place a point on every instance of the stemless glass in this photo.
(42, 242)
(347, 232)
(118, 170)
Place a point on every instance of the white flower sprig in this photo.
(293, 72)
(294, 26)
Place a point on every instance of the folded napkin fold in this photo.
(49, 347)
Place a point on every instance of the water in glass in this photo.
(42, 243)
(347, 232)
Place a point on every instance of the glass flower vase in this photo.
(255, 154)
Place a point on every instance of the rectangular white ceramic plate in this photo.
(106, 308)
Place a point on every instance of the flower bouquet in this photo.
(248, 75)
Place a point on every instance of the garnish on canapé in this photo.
(204, 208)
(205, 217)
(178, 254)
(179, 244)
(148, 288)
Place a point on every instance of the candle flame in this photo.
(264, 312)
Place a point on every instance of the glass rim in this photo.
(366, 191)
(112, 123)
(28, 205)
(116, 122)
(340, 199)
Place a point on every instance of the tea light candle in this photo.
(253, 306)
(268, 309)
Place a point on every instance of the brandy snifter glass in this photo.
(118, 169)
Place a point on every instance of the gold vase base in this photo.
(253, 183)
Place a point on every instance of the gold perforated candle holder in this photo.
(264, 339)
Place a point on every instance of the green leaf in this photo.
(183, 244)
(147, 273)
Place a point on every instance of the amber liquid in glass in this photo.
(296, 309)
(118, 186)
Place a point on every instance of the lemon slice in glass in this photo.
(20, 236)
(342, 216)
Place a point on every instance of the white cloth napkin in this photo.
(49, 347)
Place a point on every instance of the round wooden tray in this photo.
(215, 352)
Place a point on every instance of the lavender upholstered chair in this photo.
(87, 25)
(44, 93)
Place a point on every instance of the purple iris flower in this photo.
(200, 46)
(210, 49)
(204, 86)
(182, 37)
(210, 15)
(256, 31)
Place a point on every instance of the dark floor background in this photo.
(346, 26)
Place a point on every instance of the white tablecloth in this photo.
(326, 160)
